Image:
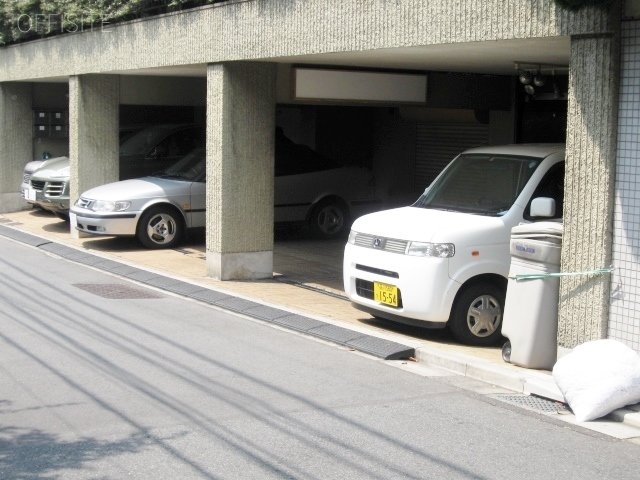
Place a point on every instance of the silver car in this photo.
(48, 186)
(142, 152)
(32, 166)
(158, 209)
(28, 170)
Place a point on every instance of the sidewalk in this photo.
(305, 295)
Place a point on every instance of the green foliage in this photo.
(575, 5)
(22, 20)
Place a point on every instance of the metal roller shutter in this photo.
(437, 144)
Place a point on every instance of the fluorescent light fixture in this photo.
(359, 86)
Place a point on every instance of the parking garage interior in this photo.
(405, 144)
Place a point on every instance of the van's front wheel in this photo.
(476, 317)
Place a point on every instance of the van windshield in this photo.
(478, 183)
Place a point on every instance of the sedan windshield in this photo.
(191, 167)
(478, 183)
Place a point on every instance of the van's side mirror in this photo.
(543, 207)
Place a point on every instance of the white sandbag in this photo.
(598, 377)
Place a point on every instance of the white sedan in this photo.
(158, 209)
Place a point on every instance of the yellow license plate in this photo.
(387, 294)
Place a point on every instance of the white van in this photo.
(445, 259)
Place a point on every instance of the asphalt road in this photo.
(147, 385)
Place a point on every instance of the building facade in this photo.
(241, 59)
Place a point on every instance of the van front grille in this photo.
(378, 271)
(381, 243)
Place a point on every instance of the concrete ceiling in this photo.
(491, 57)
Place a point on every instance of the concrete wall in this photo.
(93, 132)
(15, 142)
(632, 8)
(257, 30)
(589, 181)
(51, 96)
(240, 147)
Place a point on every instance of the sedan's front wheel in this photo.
(160, 227)
(329, 219)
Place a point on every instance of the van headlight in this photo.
(352, 237)
(109, 206)
(426, 249)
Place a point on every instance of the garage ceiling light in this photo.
(525, 77)
(538, 79)
(531, 80)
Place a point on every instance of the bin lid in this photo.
(539, 230)
(538, 242)
(536, 250)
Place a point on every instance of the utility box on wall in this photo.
(50, 123)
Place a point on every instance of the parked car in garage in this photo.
(158, 209)
(25, 187)
(48, 187)
(445, 259)
(125, 133)
(142, 151)
(157, 147)
(317, 191)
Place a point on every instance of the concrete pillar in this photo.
(589, 188)
(16, 142)
(240, 150)
(93, 132)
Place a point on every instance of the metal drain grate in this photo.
(531, 402)
(116, 291)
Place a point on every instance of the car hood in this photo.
(428, 225)
(57, 168)
(138, 188)
(33, 165)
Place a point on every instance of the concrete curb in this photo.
(375, 346)
(531, 382)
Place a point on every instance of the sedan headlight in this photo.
(109, 206)
(425, 249)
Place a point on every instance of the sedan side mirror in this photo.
(543, 207)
